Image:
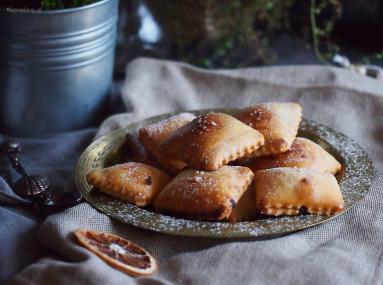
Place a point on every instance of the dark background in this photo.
(356, 32)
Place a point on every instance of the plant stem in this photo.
(314, 32)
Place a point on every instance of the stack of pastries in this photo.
(218, 167)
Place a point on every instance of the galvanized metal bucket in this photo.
(55, 67)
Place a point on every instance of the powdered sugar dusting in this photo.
(206, 123)
(355, 180)
(173, 123)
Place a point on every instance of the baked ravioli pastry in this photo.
(153, 135)
(277, 122)
(288, 191)
(245, 208)
(203, 195)
(137, 151)
(212, 140)
(134, 182)
(302, 154)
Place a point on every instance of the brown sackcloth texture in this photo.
(346, 250)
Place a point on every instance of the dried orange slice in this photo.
(119, 253)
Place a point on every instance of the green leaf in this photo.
(62, 4)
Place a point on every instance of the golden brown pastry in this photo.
(212, 140)
(302, 154)
(277, 122)
(134, 182)
(245, 208)
(153, 135)
(286, 191)
(137, 150)
(204, 195)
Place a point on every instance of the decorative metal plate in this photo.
(355, 181)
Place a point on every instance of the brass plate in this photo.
(355, 181)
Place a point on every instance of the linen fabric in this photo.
(345, 250)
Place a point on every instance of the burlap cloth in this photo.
(346, 250)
